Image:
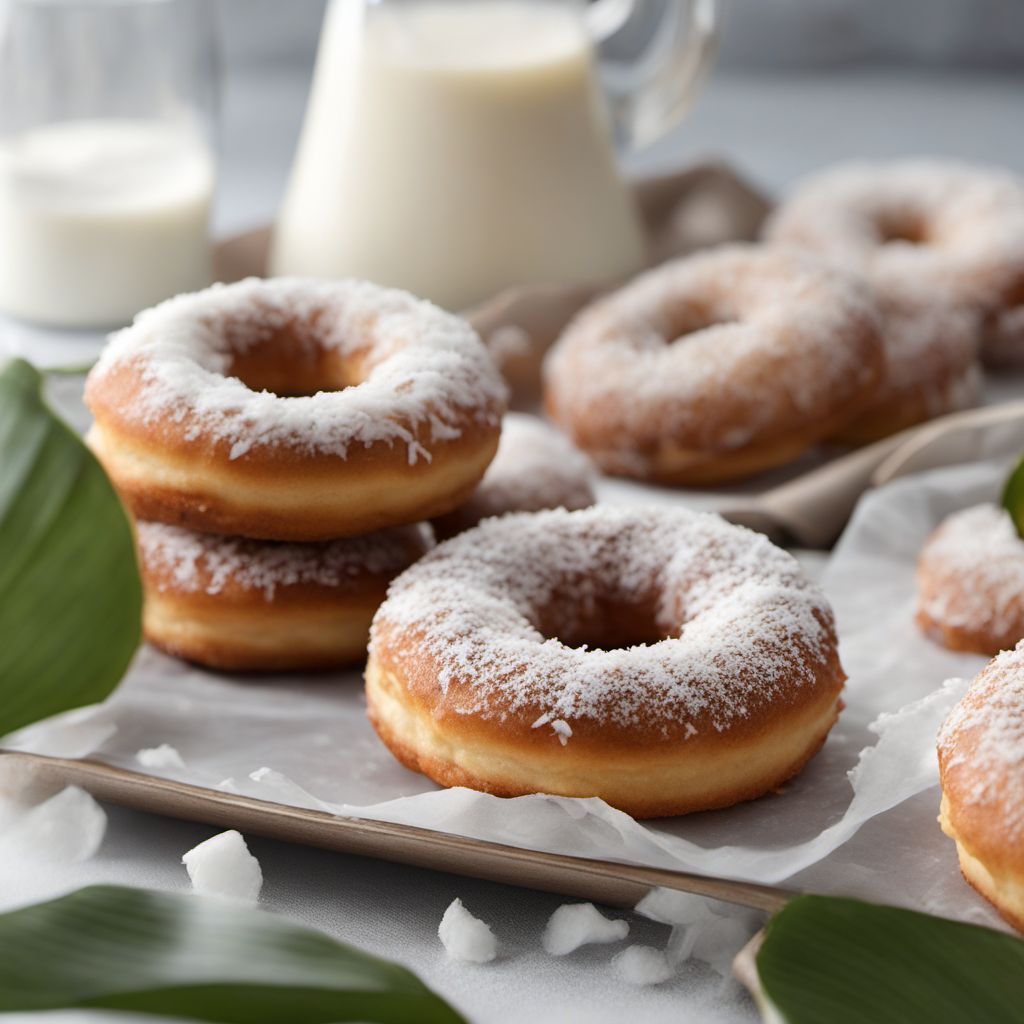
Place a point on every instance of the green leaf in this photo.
(1013, 496)
(70, 594)
(847, 962)
(169, 955)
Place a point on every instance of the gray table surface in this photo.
(772, 128)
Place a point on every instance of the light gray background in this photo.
(766, 35)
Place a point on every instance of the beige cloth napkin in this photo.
(703, 205)
(812, 509)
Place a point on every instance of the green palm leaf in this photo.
(183, 956)
(846, 962)
(70, 595)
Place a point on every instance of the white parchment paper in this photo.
(860, 820)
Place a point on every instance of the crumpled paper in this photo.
(860, 820)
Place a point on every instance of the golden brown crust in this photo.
(901, 408)
(312, 499)
(647, 777)
(971, 640)
(970, 582)
(981, 769)
(672, 465)
(1003, 888)
(244, 605)
(300, 636)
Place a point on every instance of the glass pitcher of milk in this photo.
(106, 166)
(458, 147)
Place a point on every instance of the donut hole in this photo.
(686, 321)
(904, 228)
(290, 360)
(608, 623)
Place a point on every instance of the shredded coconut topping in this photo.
(928, 224)
(743, 626)
(422, 371)
(984, 737)
(940, 241)
(975, 564)
(536, 467)
(714, 350)
(190, 562)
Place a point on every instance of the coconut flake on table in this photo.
(67, 828)
(580, 924)
(706, 930)
(163, 756)
(223, 866)
(466, 937)
(428, 370)
(642, 965)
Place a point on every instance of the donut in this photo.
(981, 767)
(660, 659)
(943, 245)
(970, 580)
(1003, 343)
(239, 604)
(536, 468)
(295, 410)
(715, 366)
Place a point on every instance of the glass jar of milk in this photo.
(458, 147)
(106, 166)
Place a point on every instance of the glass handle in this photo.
(652, 56)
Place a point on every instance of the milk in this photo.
(454, 149)
(99, 219)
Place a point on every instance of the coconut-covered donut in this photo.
(970, 577)
(660, 659)
(536, 468)
(943, 244)
(295, 410)
(237, 604)
(716, 366)
(981, 765)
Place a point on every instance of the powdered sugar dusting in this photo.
(975, 561)
(743, 624)
(536, 467)
(984, 736)
(190, 562)
(930, 224)
(942, 242)
(713, 350)
(424, 371)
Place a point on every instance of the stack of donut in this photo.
(288, 447)
(279, 444)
